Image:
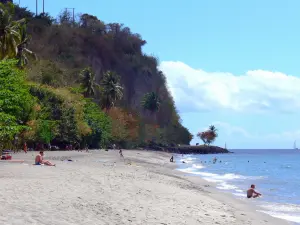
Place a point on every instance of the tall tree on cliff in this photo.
(24, 53)
(151, 102)
(111, 91)
(10, 35)
(88, 82)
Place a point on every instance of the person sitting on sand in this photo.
(172, 159)
(251, 193)
(39, 160)
(121, 153)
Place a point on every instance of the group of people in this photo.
(251, 193)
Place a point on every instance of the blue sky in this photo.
(224, 57)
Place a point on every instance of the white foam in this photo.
(288, 212)
(225, 186)
(281, 208)
(198, 166)
(284, 216)
(239, 194)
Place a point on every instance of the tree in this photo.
(46, 130)
(9, 32)
(88, 82)
(100, 124)
(125, 127)
(151, 102)
(208, 136)
(9, 128)
(24, 53)
(111, 90)
(15, 98)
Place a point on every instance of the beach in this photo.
(100, 187)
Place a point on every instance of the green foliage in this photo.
(23, 53)
(111, 90)
(9, 128)
(151, 102)
(46, 130)
(13, 36)
(68, 129)
(15, 98)
(100, 124)
(64, 48)
(9, 31)
(88, 82)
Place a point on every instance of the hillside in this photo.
(145, 111)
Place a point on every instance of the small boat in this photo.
(295, 146)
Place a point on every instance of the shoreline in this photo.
(99, 187)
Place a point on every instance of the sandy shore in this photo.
(101, 188)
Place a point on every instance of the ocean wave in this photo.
(292, 218)
(225, 186)
(198, 166)
(239, 194)
(188, 159)
(281, 207)
(290, 212)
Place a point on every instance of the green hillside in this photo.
(84, 83)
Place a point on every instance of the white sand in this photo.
(143, 189)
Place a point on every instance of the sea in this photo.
(276, 174)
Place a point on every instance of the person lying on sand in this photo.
(39, 160)
(251, 193)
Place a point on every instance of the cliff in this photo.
(65, 47)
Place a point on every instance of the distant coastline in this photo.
(200, 149)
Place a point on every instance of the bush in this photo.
(100, 125)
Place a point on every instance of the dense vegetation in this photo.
(82, 82)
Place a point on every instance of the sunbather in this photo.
(39, 160)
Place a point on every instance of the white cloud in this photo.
(230, 130)
(254, 91)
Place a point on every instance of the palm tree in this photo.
(9, 32)
(24, 53)
(151, 102)
(213, 129)
(88, 82)
(112, 91)
(212, 134)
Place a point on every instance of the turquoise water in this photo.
(276, 174)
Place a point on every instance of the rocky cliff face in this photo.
(65, 48)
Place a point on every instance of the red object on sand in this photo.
(6, 157)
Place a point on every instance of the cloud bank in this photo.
(254, 91)
(231, 130)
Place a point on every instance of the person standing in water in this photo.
(214, 160)
(251, 193)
